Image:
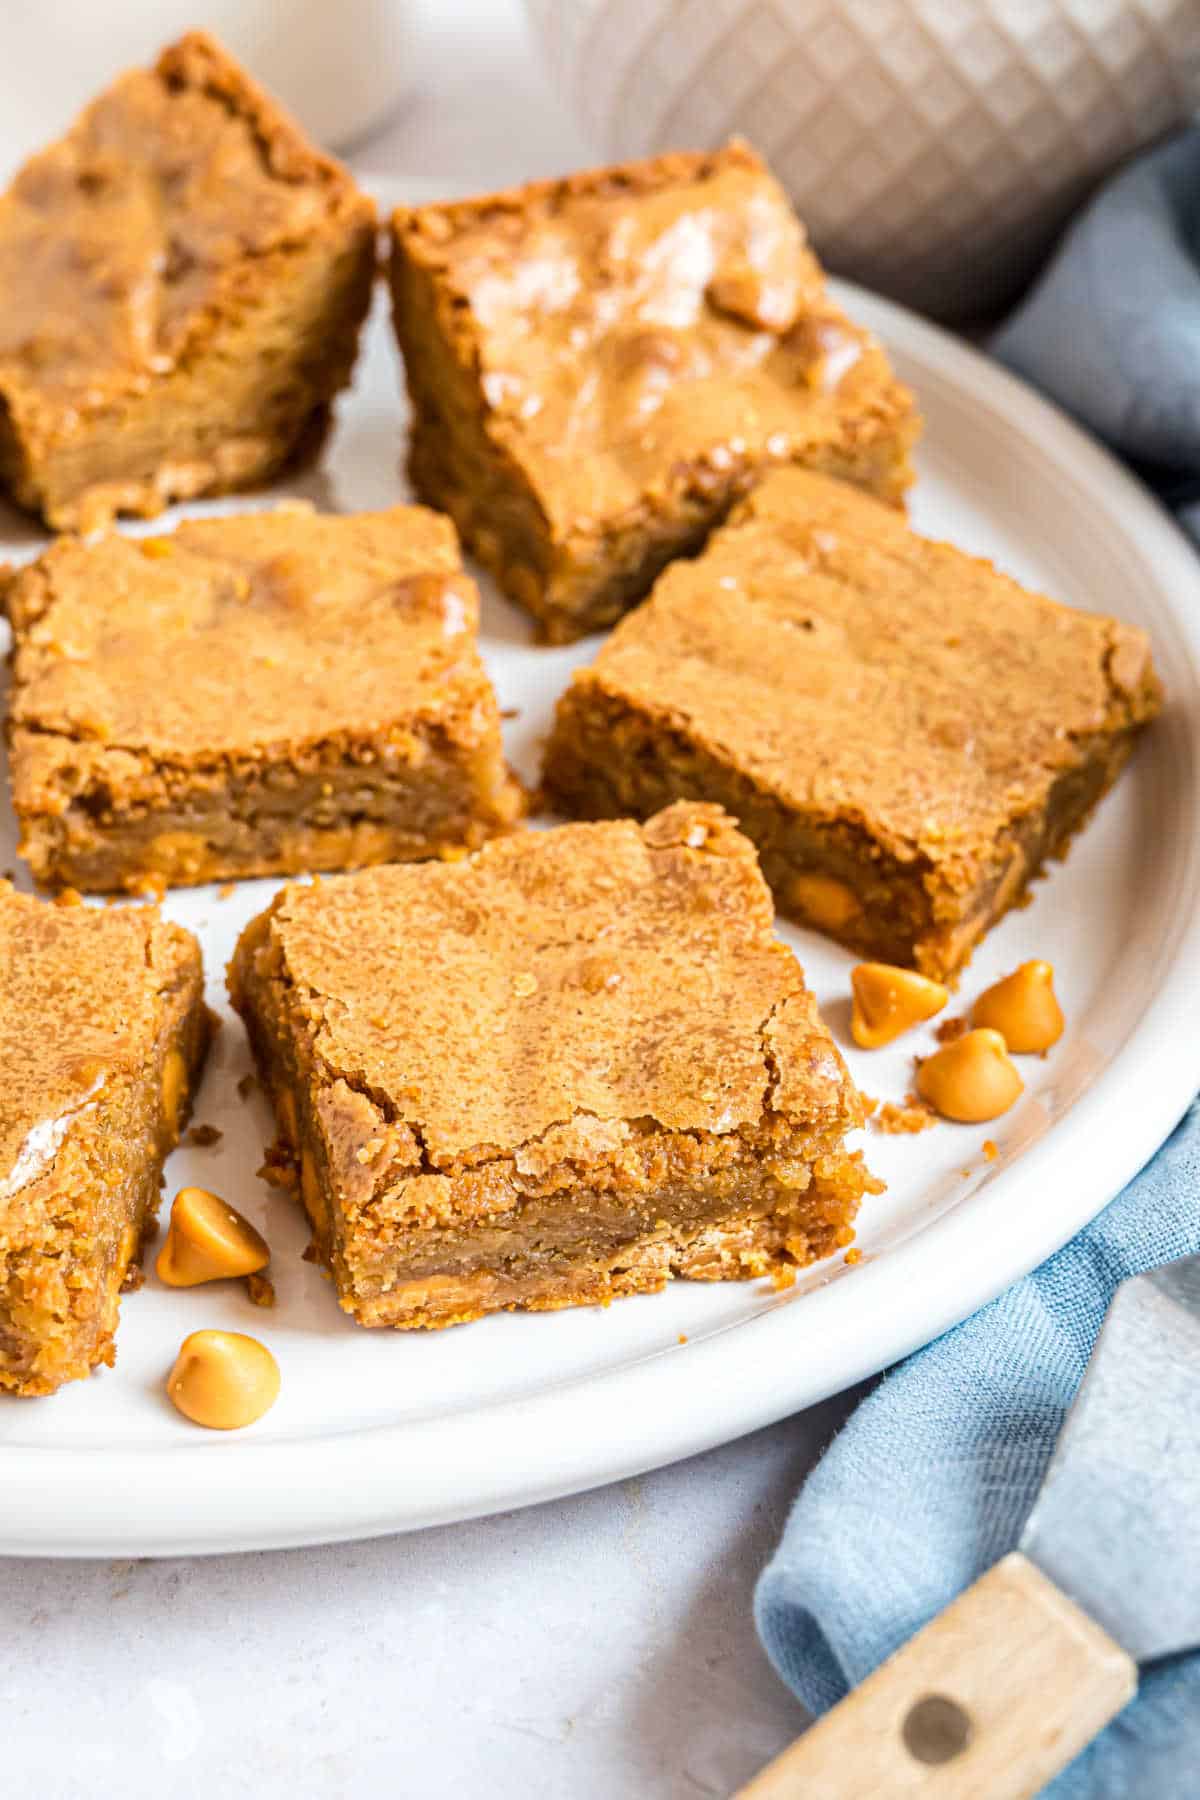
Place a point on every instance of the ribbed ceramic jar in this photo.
(933, 147)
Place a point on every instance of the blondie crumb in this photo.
(896, 1120)
(278, 1170)
(260, 1290)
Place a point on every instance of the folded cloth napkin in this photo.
(1112, 330)
(932, 1478)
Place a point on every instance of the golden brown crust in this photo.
(497, 1076)
(324, 675)
(103, 1031)
(633, 931)
(167, 273)
(684, 340)
(197, 63)
(904, 731)
(618, 181)
(281, 628)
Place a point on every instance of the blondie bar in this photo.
(599, 365)
(905, 733)
(104, 1033)
(182, 280)
(252, 695)
(565, 1069)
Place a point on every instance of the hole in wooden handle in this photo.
(936, 1729)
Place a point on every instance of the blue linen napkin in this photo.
(933, 1476)
(1112, 330)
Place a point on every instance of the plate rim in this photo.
(640, 1415)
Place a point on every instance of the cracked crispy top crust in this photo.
(243, 635)
(863, 672)
(80, 995)
(122, 244)
(556, 985)
(625, 323)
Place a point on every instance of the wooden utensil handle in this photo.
(992, 1699)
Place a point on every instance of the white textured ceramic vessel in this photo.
(933, 147)
(340, 68)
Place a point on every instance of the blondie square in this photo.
(253, 695)
(182, 280)
(905, 733)
(565, 1069)
(598, 366)
(103, 1030)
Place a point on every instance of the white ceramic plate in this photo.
(378, 1432)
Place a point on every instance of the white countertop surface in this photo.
(601, 1646)
(598, 1646)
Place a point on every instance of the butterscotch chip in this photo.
(223, 1380)
(822, 901)
(970, 1080)
(174, 1081)
(906, 733)
(150, 885)
(1023, 1008)
(599, 365)
(208, 1240)
(182, 281)
(482, 1118)
(889, 1001)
